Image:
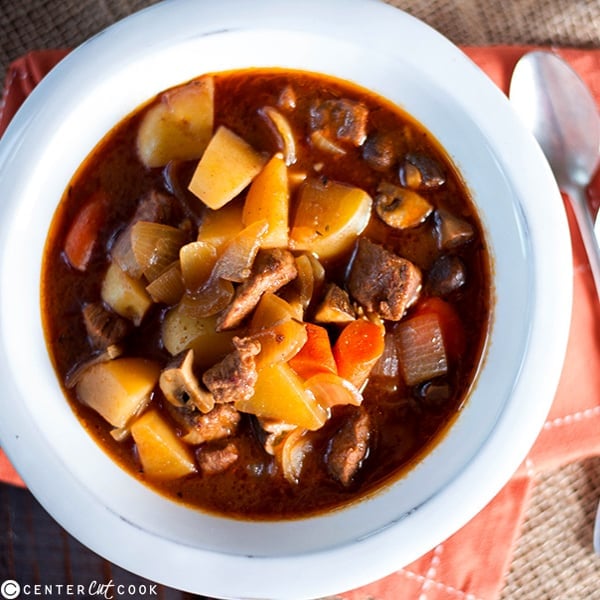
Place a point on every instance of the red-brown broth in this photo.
(404, 427)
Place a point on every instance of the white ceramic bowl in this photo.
(399, 57)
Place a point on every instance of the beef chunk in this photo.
(155, 207)
(198, 428)
(235, 376)
(221, 422)
(104, 327)
(382, 281)
(349, 447)
(217, 460)
(271, 270)
(340, 119)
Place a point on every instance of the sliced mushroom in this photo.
(447, 274)
(401, 208)
(434, 394)
(421, 172)
(452, 231)
(379, 150)
(180, 386)
(335, 307)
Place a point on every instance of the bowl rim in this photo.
(233, 18)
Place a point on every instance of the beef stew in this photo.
(266, 293)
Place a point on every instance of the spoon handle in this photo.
(579, 205)
(596, 539)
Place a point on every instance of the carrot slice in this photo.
(81, 237)
(316, 355)
(357, 349)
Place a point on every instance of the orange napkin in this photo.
(471, 563)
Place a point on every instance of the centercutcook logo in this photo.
(11, 589)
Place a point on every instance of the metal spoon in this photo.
(562, 114)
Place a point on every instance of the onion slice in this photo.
(330, 390)
(235, 262)
(320, 141)
(168, 286)
(284, 129)
(387, 367)
(211, 299)
(421, 350)
(291, 453)
(147, 248)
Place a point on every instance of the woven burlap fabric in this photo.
(554, 558)
(37, 24)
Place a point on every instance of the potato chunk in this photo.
(220, 226)
(280, 342)
(329, 217)
(179, 126)
(269, 198)
(227, 166)
(118, 389)
(125, 295)
(182, 330)
(271, 309)
(162, 454)
(279, 393)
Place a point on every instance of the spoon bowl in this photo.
(560, 111)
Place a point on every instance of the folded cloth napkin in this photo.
(471, 564)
